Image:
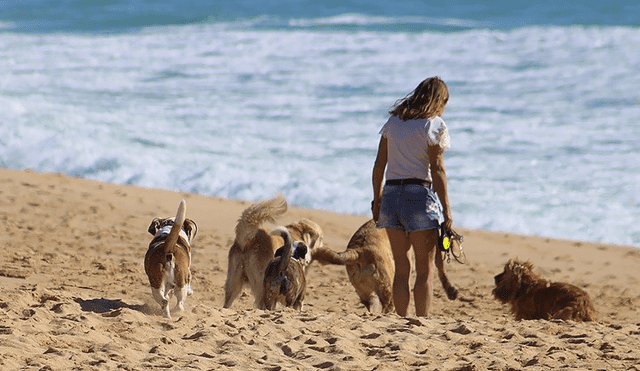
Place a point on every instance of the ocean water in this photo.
(247, 98)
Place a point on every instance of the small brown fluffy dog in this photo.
(370, 267)
(532, 297)
(168, 258)
(284, 279)
(254, 247)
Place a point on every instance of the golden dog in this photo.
(254, 247)
(370, 267)
(532, 297)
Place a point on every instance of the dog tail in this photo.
(257, 214)
(172, 238)
(287, 252)
(367, 234)
(325, 255)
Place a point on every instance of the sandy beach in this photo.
(74, 295)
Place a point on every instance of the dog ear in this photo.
(520, 268)
(310, 232)
(312, 241)
(191, 228)
(300, 252)
(278, 252)
(514, 266)
(153, 227)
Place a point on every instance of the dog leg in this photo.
(567, 313)
(158, 295)
(385, 298)
(181, 296)
(452, 292)
(256, 282)
(162, 299)
(372, 303)
(235, 281)
(260, 301)
(298, 305)
(231, 292)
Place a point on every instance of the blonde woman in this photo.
(413, 202)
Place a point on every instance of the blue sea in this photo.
(246, 98)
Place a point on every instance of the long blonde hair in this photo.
(427, 100)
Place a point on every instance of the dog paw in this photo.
(452, 293)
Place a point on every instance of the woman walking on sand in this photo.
(411, 150)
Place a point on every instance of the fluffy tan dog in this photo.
(254, 247)
(168, 258)
(532, 297)
(370, 267)
(284, 277)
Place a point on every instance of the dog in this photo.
(532, 297)
(253, 247)
(284, 278)
(168, 259)
(370, 266)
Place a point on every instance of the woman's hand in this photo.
(448, 224)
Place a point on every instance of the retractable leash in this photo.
(448, 242)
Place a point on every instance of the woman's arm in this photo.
(378, 176)
(439, 176)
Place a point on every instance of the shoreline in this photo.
(322, 210)
(73, 293)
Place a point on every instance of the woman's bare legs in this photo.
(424, 246)
(400, 245)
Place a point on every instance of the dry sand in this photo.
(74, 296)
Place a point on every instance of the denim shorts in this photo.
(410, 208)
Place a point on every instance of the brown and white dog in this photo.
(284, 278)
(370, 266)
(168, 259)
(532, 297)
(254, 247)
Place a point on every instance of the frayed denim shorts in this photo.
(410, 208)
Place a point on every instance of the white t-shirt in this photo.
(408, 141)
